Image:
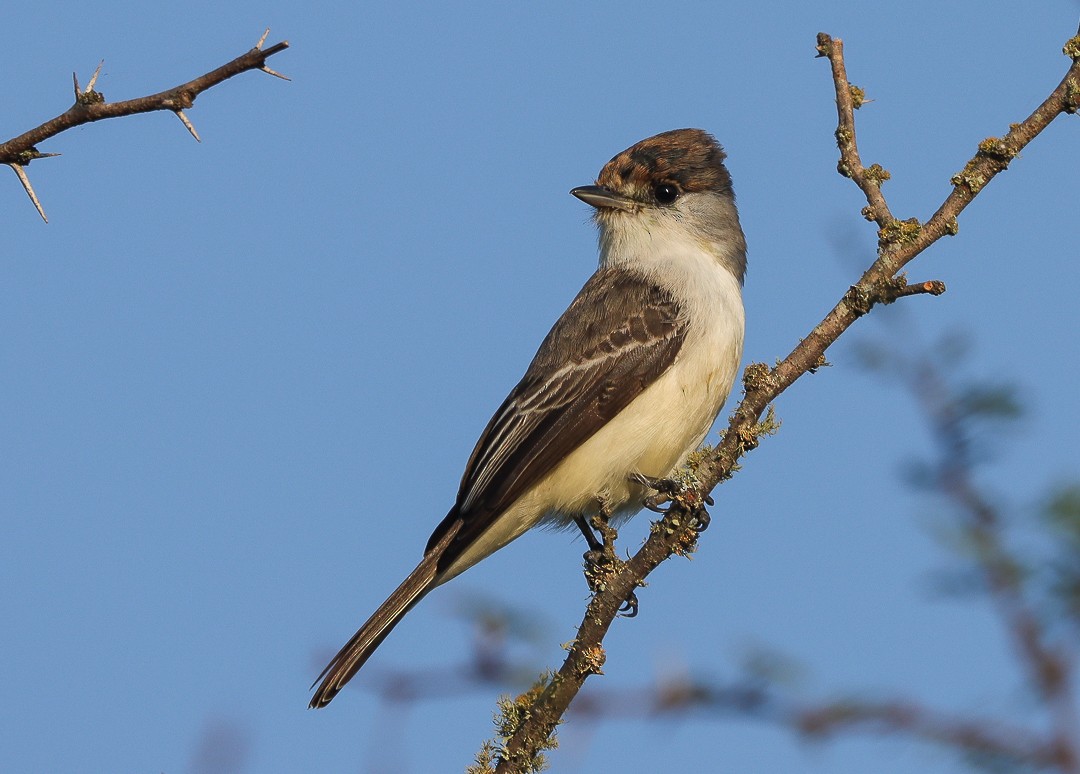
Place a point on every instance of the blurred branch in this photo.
(1050, 670)
(955, 413)
(983, 738)
(90, 105)
(528, 726)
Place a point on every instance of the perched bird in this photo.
(623, 388)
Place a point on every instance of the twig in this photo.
(90, 105)
(849, 99)
(899, 243)
(932, 287)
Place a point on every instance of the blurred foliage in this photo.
(1061, 515)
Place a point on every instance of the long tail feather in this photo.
(358, 649)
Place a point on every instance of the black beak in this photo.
(604, 198)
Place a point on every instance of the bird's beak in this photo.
(604, 198)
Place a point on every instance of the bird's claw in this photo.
(629, 607)
(655, 504)
(668, 486)
(666, 490)
(594, 559)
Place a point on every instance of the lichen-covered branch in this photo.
(90, 105)
(537, 713)
(899, 243)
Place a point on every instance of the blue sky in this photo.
(239, 379)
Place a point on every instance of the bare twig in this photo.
(932, 287)
(899, 243)
(90, 105)
(849, 99)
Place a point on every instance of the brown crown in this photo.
(688, 158)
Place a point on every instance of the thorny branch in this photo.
(90, 105)
(537, 712)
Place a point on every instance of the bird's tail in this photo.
(358, 649)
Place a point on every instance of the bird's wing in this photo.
(619, 334)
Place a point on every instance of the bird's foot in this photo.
(629, 608)
(600, 568)
(666, 489)
(670, 490)
(602, 563)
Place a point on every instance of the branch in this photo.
(899, 243)
(1050, 670)
(537, 713)
(977, 737)
(90, 105)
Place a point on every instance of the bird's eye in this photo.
(666, 193)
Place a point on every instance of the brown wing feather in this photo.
(615, 339)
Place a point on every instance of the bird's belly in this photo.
(653, 435)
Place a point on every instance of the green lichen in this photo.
(997, 148)
(770, 425)
(1071, 48)
(824, 44)
(1072, 96)
(970, 177)
(877, 174)
(485, 760)
(512, 714)
(757, 376)
(90, 97)
(899, 232)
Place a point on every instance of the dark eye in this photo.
(666, 193)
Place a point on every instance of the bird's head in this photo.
(670, 186)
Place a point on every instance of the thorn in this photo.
(75, 80)
(276, 74)
(263, 38)
(94, 77)
(187, 123)
(29, 188)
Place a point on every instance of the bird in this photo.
(623, 388)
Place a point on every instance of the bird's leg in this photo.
(596, 545)
(601, 561)
(600, 536)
